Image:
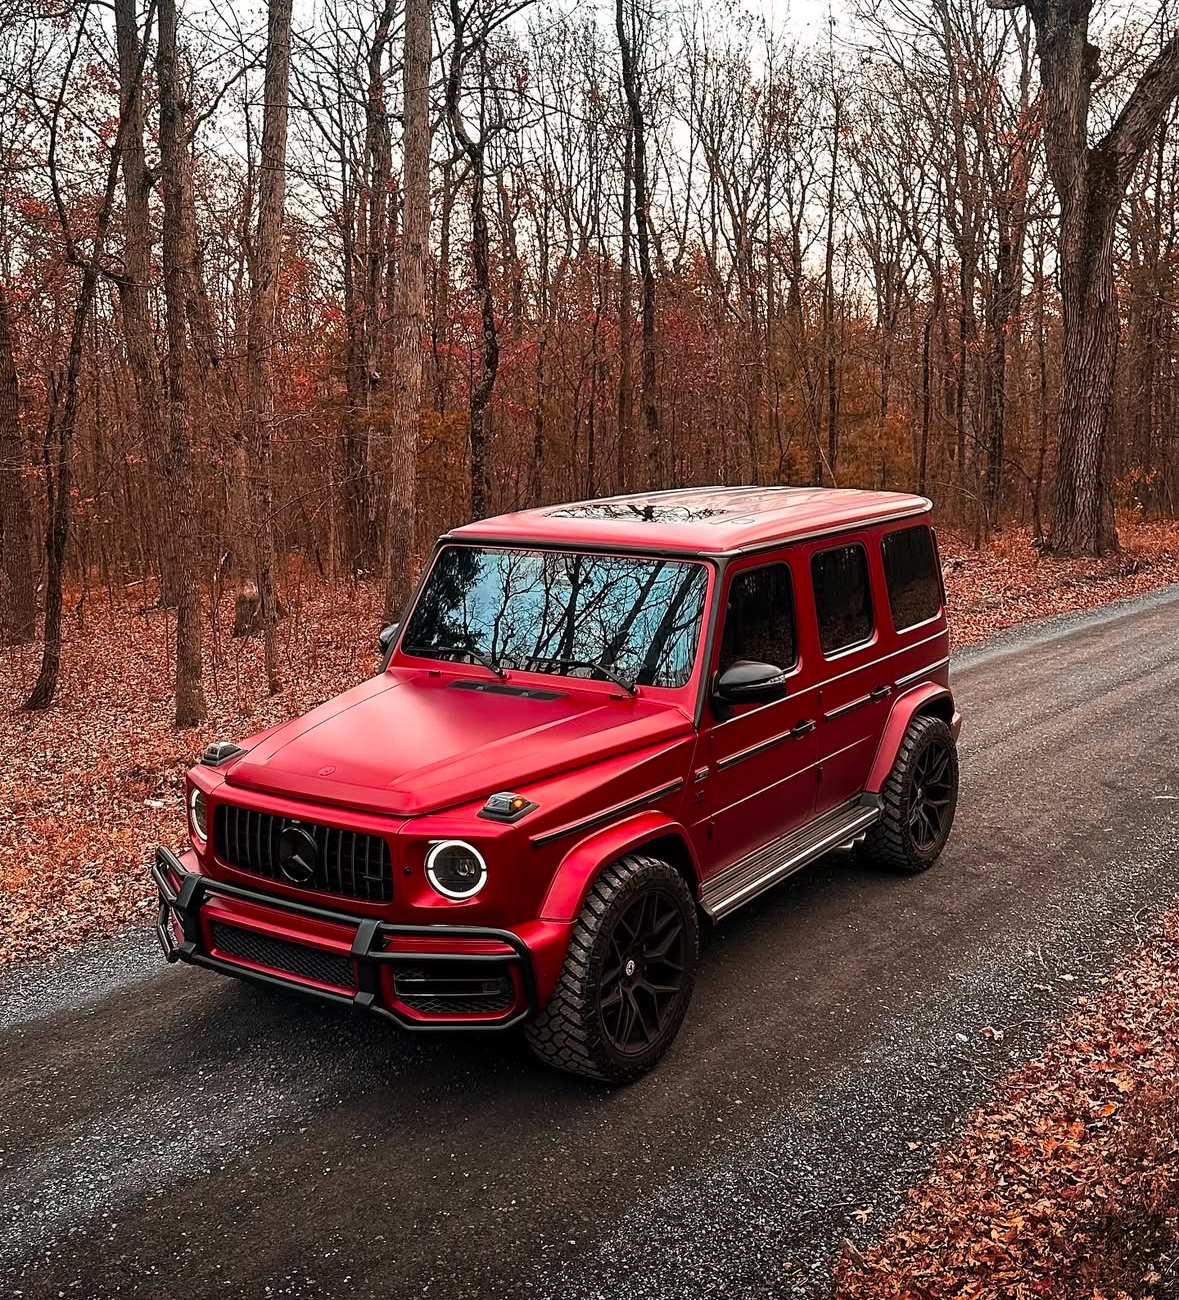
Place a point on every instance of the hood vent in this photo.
(503, 688)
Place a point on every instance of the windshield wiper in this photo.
(477, 655)
(612, 673)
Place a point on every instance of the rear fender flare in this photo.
(906, 708)
(579, 867)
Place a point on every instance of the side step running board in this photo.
(773, 862)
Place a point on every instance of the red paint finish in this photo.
(407, 759)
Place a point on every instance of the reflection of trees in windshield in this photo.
(538, 610)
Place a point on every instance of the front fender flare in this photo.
(580, 866)
(903, 712)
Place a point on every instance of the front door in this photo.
(754, 776)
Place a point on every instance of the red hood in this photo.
(415, 743)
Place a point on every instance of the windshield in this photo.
(631, 617)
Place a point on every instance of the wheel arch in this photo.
(650, 832)
(926, 700)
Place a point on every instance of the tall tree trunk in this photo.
(1090, 183)
(63, 416)
(829, 294)
(264, 269)
(625, 327)
(18, 584)
(630, 82)
(132, 284)
(409, 317)
(180, 521)
(474, 147)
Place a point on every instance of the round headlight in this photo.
(198, 814)
(455, 869)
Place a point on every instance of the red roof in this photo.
(708, 520)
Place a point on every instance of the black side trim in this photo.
(366, 951)
(608, 814)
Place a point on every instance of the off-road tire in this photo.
(890, 842)
(570, 1033)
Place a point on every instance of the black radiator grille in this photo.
(278, 954)
(453, 988)
(351, 863)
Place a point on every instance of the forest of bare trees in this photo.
(322, 281)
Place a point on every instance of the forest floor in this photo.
(90, 785)
(1065, 1183)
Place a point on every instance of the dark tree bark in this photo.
(474, 148)
(409, 317)
(264, 269)
(1090, 182)
(18, 584)
(641, 180)
(625, 327)
(180, 521)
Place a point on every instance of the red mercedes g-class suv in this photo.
(596, 726)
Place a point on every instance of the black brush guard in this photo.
(367, 951)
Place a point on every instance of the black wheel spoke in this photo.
(642, 977)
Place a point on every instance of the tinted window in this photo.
(910, 572)
(759, 618)
(843, 598)
(561, 612)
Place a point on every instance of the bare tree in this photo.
(1090, 182)
(409, 317)
(264, 268)
(180, 542)
(18, 590)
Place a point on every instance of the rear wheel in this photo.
(628, 975)
(919, 799)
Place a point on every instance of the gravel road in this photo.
(167, 1133)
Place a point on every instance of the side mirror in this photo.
(750, 682)
(386, 640)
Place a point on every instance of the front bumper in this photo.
(340, 950)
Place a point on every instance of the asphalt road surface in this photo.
(165, 1132)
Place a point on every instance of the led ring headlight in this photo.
(198, 815)
(456, 869)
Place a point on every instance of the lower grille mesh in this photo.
(453, 988)
(290, 958)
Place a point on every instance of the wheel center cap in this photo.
(630, 967)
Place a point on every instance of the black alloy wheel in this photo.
(628, 975)
(642, 980)
(918, 799)
(932, 792)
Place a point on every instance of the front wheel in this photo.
(919, 799)
(628, 974)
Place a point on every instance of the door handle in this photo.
(880, 692)
(802, 728)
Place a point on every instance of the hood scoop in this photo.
(505, 688)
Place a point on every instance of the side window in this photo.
(759, 618)
(910, 573)
(843, 597)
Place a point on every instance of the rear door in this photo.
(854, 684)
(757, 777)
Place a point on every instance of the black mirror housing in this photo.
(387, 636)
(750, 682)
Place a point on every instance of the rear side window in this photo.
(843, 597)
(910, 573)
(759, 618)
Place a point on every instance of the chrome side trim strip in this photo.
(910, 678)
(731, 760)
(846, 708)
(607, 814)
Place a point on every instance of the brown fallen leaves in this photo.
(1066, 1183)
(88, 788)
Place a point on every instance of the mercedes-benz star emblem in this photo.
(298, 857)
